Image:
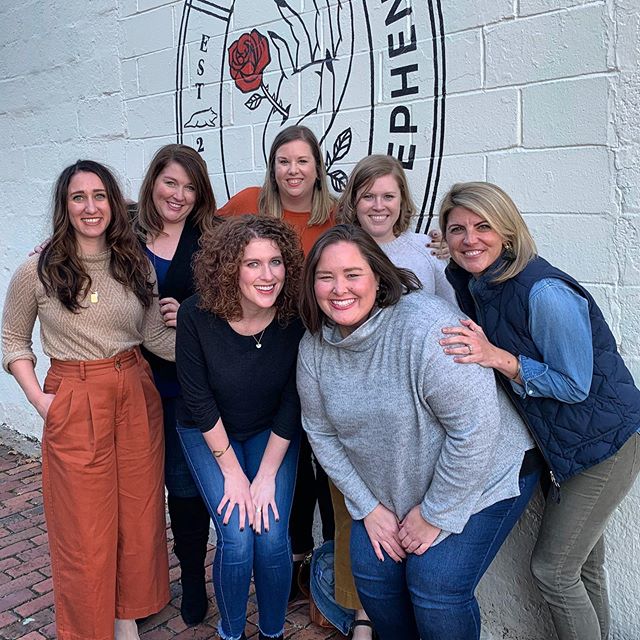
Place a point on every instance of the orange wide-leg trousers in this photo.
(103, 486)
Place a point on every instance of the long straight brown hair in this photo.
(269, 202)
(60, 267)
(203, 214)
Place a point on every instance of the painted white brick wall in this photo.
(543, 98)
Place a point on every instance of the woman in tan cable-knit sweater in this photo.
(102, 450)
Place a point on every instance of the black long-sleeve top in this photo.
(178, 284)
(224, 375)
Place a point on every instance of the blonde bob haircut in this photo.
(492, 204)
(364, 174)
(322, 203)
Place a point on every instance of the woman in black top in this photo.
(239, 414)
(176, 206)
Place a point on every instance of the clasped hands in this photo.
(253, 499)
(398, 538)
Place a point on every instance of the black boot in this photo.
(190, 526)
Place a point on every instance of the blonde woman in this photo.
(557, 358)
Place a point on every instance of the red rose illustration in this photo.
(248, 56)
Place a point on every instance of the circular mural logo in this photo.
(366, 76)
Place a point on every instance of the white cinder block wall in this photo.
(542, 97)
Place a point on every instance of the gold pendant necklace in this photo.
(93, 298)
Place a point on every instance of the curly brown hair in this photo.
(60, 267)
(217, 264)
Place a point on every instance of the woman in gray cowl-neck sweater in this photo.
(429, 456)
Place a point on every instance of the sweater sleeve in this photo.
(442, 287)
(19, 316)
(192, 372)
(325, 442)
(245, 201)
(156, 336)
(463, 398)
(286, 422)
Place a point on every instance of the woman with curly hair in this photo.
(176, 207)
(239, 414)
(295, 190)
(102, 448)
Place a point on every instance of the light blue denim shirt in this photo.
(560, 328)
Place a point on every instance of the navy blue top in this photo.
(166, 379)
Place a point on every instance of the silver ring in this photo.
(470, 348)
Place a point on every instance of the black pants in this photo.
(312, 485)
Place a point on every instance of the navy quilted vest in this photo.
(572, 437)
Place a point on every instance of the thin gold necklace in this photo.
(259, 340)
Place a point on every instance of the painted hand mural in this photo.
(304, 79)
(357, 72)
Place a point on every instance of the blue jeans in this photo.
(238, 553)
(177, 475)
(432, 596)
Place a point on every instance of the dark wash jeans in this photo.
(177, 475)
(239, 553)
(432, 596)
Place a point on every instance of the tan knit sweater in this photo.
(111, 319)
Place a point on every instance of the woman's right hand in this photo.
(237, 492)
(42, 403)
(384, 533)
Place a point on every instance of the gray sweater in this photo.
(393, 420)
(408, 250)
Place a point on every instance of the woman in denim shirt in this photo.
(557, 358)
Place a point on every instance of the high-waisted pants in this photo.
(102, 478)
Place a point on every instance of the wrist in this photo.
(35, 398)
(218, 453)
(266, 475)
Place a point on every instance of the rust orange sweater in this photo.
(246, 201)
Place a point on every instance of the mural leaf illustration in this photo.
(342, 145)
(338, 180)
(327, 161)
(329, 60)
(254, 101)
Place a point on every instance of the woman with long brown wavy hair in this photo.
(239, 413)
(175, 208)
(102, 449)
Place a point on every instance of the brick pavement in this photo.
(26, 599)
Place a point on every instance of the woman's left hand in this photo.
(416, 534)
(468, 343)
(263, 493)
(439, 247)
(169, 310)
